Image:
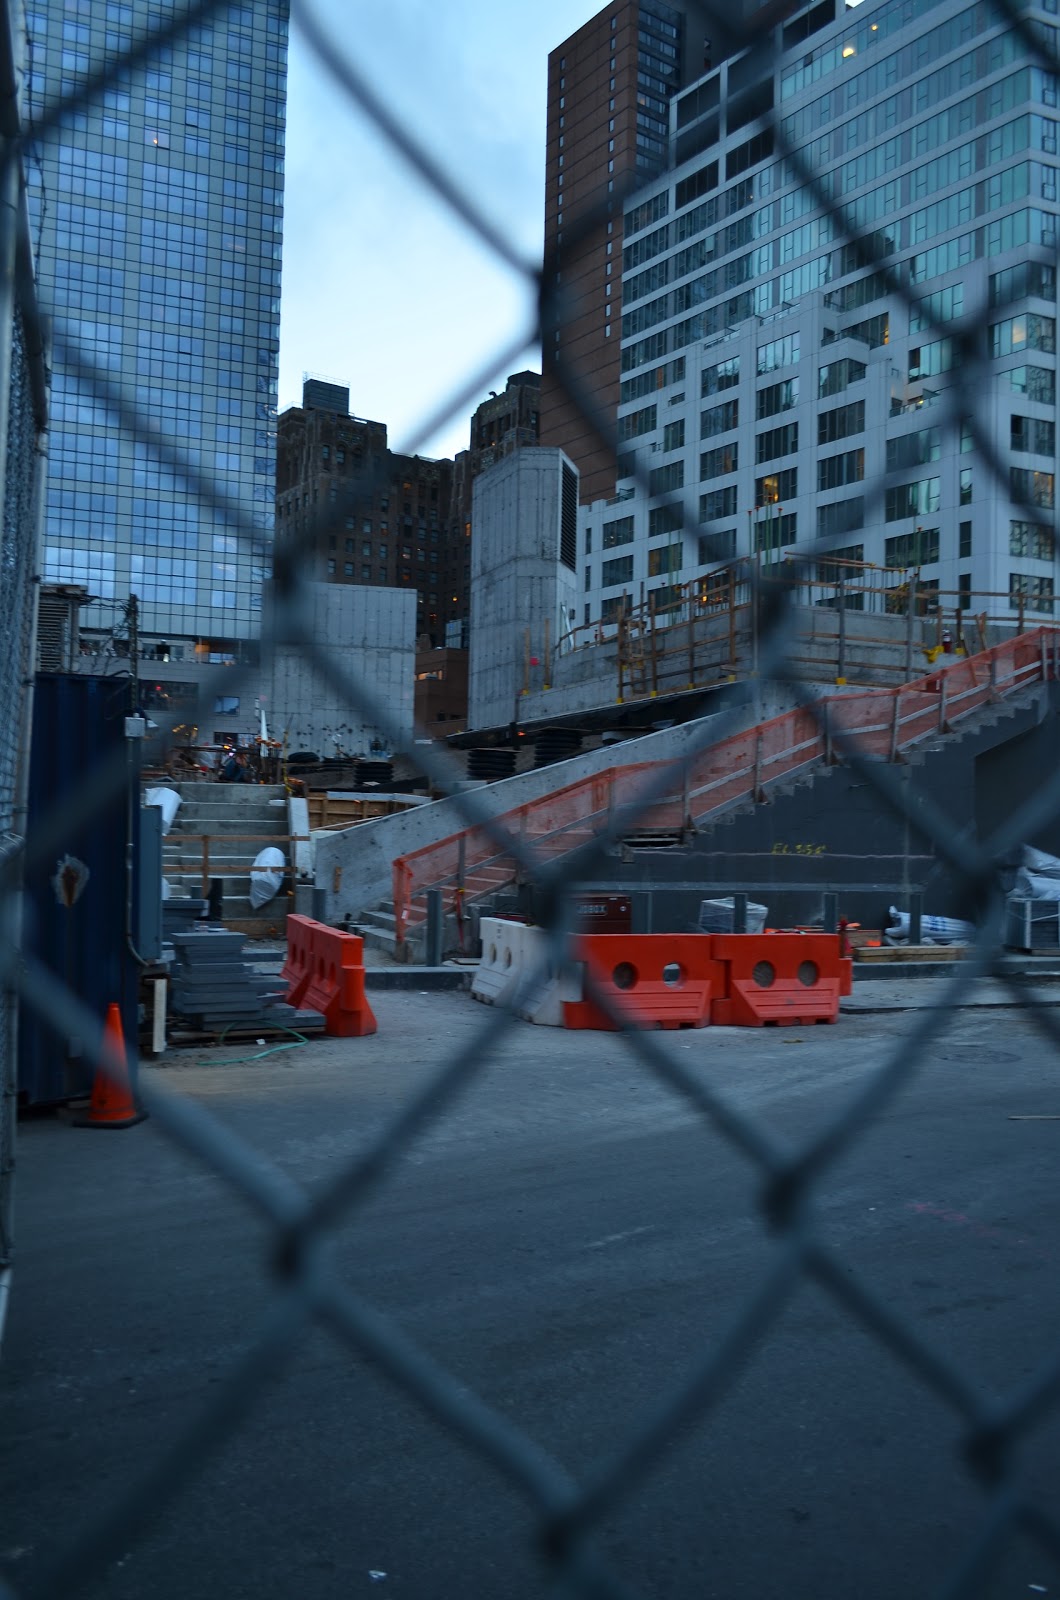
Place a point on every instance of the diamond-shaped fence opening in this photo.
(308, 1290)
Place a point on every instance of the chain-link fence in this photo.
(23, 417)
(307, 1289)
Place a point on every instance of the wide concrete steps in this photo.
(237, 821)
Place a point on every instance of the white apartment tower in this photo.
(774, 394)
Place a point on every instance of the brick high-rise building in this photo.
(609, 92)
(392, 514)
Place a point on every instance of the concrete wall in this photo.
(370, 633)
(876, 651)
(518, 583)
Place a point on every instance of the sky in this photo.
(384, 290)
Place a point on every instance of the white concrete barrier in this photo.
(499, 969)
(544, 1003)
(511, 952)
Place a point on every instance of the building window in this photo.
(776, 487)
(782, 396)
(913, 449)
(917, 549)
(1033, 435)
(778, 353)
(964, 544)
(719, 419)
(618, 571)
(912, 499)
(777, 442)
(665, 558)
(774, 532)
(1026, 332)
(724, 375)
(717, 462)
(1036, 594)
(717, 503)
(842, 516)
(664, 480)
(1031, 539)
(833, 472)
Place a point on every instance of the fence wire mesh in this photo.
(308, 1289)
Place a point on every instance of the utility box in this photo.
(602, 913)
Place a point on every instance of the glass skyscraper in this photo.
(773, 391)
(160, 214)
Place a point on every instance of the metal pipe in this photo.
(9, 197)
(435, 927)
(916, 911)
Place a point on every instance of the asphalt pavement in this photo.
(570, 1240)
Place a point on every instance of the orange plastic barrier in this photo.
(325, 973)
(298, 968)
(780, 978)
(653, 980)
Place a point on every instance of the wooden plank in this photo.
(912, 952)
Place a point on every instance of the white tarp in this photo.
(265, 882)
(169, 800)
(1036, 885)
(1044, 865)
(933, 930)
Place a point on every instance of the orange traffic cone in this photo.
(112, 1105)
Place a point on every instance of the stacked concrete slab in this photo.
(213, 987)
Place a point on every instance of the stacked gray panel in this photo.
(214, 988)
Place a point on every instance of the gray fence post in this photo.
(831, 913)
(916, 911)
(435, 928)
(215, 900)
(739, 913)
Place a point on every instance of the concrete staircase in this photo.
(820, 795)
(378, 926)
(237, 821)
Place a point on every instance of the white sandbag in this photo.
(266, 883)
(933, 930)
(1041, 862)
(168, 800)
(1036, 886)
